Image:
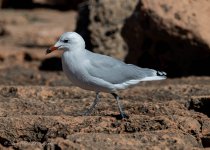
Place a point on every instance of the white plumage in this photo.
(98, 72)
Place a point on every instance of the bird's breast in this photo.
(74, 69)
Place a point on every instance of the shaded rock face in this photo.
(170, 37)
(3, 31)
(58, 4)
(100, 23)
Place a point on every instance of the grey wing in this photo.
(113, 70)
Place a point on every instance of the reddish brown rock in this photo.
(170, 36)
(35, 29)
(51, 117)
(40, 109)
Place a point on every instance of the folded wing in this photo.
(117, 72)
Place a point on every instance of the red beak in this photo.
(49, 50)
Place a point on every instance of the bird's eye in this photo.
(65, 41)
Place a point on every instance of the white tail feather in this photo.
(133, 82)
(153, 78)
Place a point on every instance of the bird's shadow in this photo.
(119, 116)
(116, 116)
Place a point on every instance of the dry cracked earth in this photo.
(41, 109)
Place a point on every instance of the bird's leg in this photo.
(119, 107)
(93, 105)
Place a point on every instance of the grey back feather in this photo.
(113, 70)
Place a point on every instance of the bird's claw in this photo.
(86, 113)
(124, 116)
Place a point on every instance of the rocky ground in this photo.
(39, 108)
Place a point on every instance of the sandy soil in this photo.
(40, 108)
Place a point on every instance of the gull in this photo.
(97, 72)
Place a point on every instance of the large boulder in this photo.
(170, 35)
(166, 35)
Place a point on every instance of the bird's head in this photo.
(68, 41)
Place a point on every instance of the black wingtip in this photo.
(161, 73)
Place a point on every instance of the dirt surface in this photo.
(40, 109)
